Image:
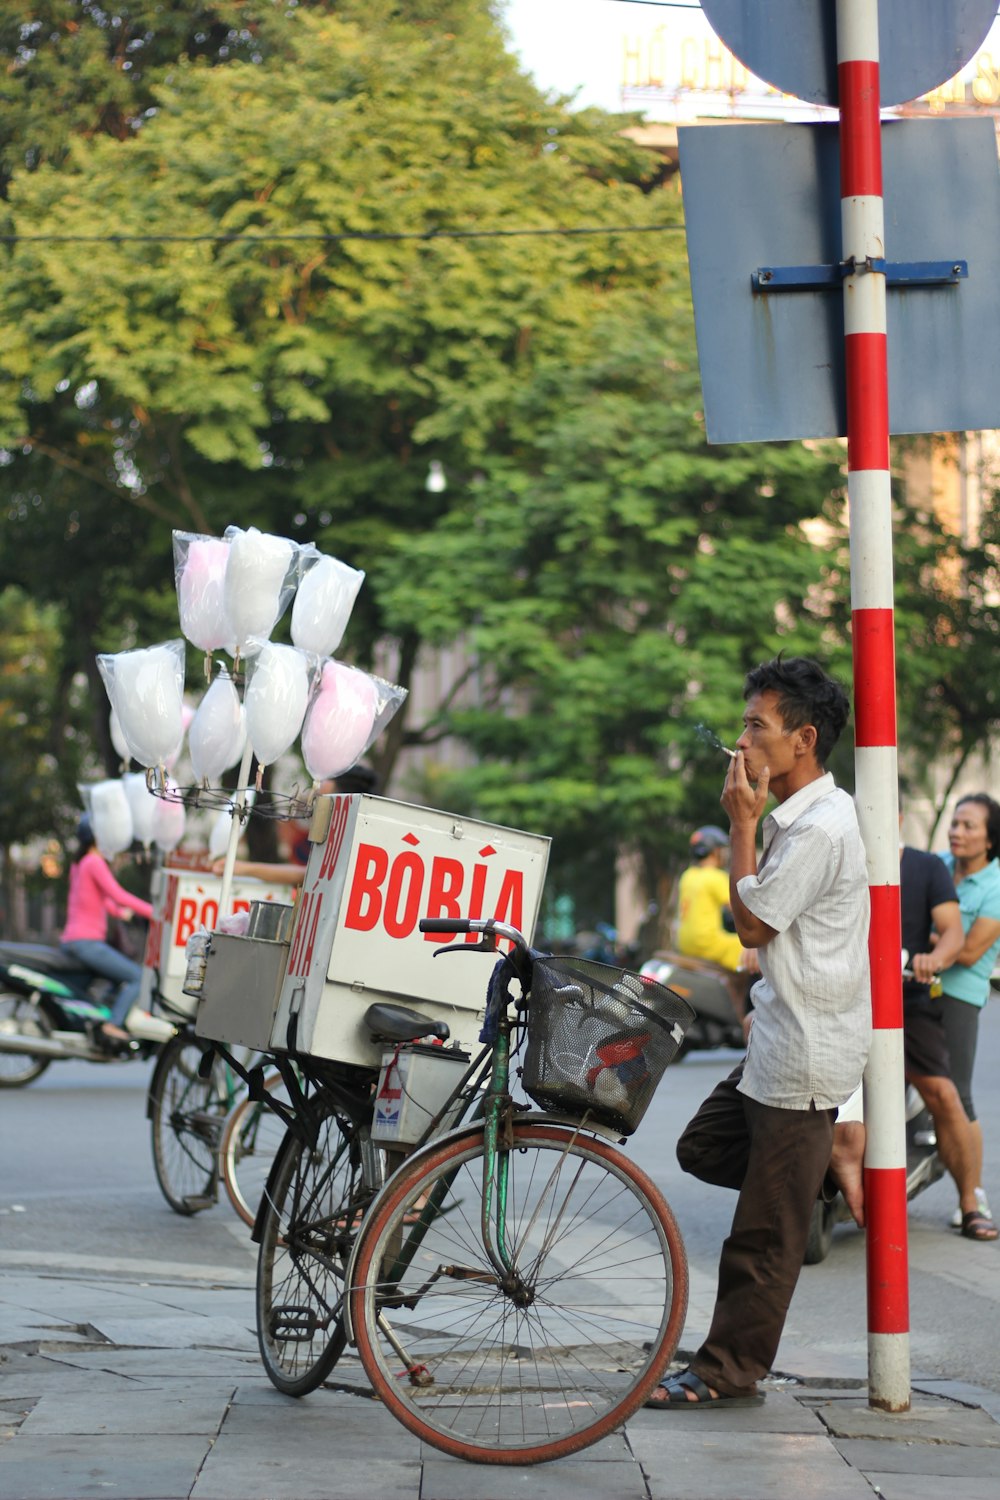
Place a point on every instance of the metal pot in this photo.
(270, 921)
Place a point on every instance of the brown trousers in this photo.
(776, 1159)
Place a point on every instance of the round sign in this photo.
(792, 44)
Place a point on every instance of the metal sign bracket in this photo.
(915, 273)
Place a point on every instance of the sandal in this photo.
(976, 1226)
(677, 1387)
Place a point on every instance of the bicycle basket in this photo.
(599, 1040)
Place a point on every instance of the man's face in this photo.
(765, 741)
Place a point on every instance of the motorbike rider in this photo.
(706, 929)
(94, 895)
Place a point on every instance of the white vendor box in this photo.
(185, 897)
(376, 867)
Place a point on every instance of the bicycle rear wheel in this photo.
(309, 1215)
(186, 1112)
(251, 1139)
(563, 1356)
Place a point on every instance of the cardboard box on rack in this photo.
(376, 867)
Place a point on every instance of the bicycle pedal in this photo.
(295, 1324)
(198, 1201)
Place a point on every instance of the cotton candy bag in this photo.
(218, 730)
(323, 602)
(279, 679)
(261, 573)
(199, 574)
(347, 712)
(142, 805)
(110, 816)
(146, 691)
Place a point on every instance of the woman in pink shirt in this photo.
(94, 893)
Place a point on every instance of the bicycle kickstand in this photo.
(416, 1374)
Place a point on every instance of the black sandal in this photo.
(677, 1387)
(976, 1226)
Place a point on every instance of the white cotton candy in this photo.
(257, 589)
(200, 593)
(145, 688)
(218, 839)
(118, 739)
(323, 605)
(111, 817)
(218, 732)
(168, 822)
(341, 720)
(276, 697)
(142, 805)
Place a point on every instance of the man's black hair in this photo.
(992, 819)
(805, 695)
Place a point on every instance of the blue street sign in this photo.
(766, 199)
(792, 44)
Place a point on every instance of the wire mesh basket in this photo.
(599, 1040)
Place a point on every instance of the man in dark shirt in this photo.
(932, 936)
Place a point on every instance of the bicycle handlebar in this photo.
(489, 927)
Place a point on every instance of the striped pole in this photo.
(862, 225)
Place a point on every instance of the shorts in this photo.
(925, 1046)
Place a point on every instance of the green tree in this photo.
(288, 380)
(617, 579)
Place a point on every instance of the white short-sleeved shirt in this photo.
(812, 1024)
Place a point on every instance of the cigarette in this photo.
(726, 751)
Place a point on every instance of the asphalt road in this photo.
(77, 1187)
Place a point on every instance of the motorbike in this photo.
(51, 1009)
(711, 990)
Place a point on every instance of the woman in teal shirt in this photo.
(974, 843)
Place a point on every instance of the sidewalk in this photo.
(93, 1361)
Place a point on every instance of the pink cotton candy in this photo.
(340, 723)
(200, 594)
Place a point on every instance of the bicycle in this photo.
(193, 1095)
(530, 1279)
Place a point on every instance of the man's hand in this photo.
(743, 802)
(924, 967)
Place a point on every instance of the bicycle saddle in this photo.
(394, 1023)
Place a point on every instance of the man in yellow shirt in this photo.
(704, 900)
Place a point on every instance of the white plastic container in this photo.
(413, 1085)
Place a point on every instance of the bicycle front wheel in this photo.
(251, 1138)
(186, 1112)
(309, 1216)
(569, 1347)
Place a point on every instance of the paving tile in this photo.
(926, 1421)
(175, 1331)
(165, 1363)
(928, 1487)
(945, 1460)
(235, 1470)
(159, 1468)
(134, 1411)
(344, 1430)
(568, 1479)
(750, 1465)
(780, 1412)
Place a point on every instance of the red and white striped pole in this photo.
(862, 225)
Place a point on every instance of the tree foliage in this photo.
(211, 313)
